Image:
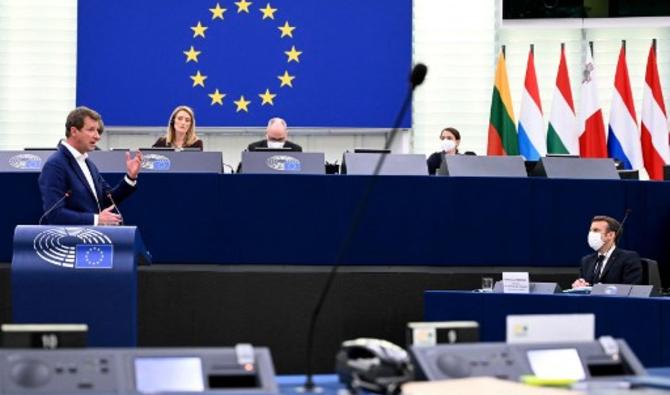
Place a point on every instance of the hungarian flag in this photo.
(654, 133)
(563, 133)
(532, 138)
(623, 139)
(592, 143)
(502, 131)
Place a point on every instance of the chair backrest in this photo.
(650, 273)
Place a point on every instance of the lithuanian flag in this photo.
(503, 139)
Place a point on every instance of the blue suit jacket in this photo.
(623, 267)
(61, 174)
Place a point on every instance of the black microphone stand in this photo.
(416, 78)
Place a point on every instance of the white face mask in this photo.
(275, 144)
(595, 240)
(447, 145)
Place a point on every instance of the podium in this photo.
(79, 274)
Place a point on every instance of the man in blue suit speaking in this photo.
(73, 191)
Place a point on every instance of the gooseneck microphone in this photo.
(625, 217)
(416, 78)
(623, 222)
(53, 207)
(116, 206)
(418, 75)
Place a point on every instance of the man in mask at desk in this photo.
(276, 136)
(609, 264)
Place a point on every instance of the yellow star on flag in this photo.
(217, 12)
(242, 104)
(293, 54)
(192, 55)
(268, 12)
(217, 97)
(199, 30)
(286, 79)
(198, 79)
(243, 5)
(267, 97)
(286, 30)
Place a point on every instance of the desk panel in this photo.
(410, 220)
(638, 320)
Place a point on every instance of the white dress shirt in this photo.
(608, 254)
(81, 161)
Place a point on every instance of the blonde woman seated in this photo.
(181, 131)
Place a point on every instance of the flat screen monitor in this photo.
(268, 149)
(168, 374)
(371, 151)
(187, 149)
(559, 363)
(40, 148)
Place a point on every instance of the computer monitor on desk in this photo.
(566, 166)
(274, 161)
(23, 161)
(161, 161)
(185, 149)
(393, 164)
(371, 151)
(272, 149)
(482, 166)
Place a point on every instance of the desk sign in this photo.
(516, 283)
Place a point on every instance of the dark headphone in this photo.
(373, 365)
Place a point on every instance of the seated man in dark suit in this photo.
(609, 264)
(276, 136)
(73, 191)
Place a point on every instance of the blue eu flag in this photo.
(94, 256)
(323, 63)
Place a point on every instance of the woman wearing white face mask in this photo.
(450, 138)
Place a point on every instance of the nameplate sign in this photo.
(516, 283)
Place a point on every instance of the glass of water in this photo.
(487, 284)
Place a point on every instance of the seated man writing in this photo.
(609, 264)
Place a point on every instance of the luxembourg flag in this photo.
(532, 137)
(623, 139)
(654, 133)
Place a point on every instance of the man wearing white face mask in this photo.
(276, 136)
(609, 264)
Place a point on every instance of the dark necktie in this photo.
(598, 268)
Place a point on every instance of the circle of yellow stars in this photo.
(218, 14)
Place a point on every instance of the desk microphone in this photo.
(59, 201)
(416, 78)
(623, 221)
(625, 217)
(109, 195)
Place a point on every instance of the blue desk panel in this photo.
(641, 321)
(410, 220)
